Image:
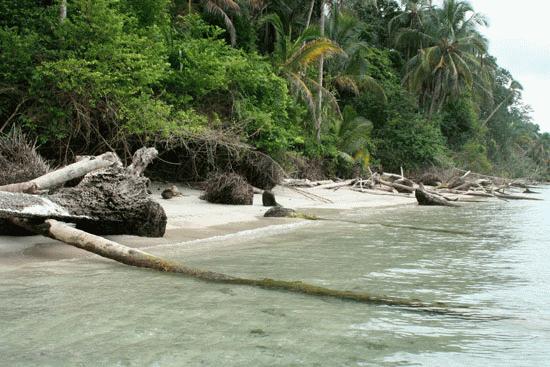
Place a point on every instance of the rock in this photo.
(171, 192)
(228, 188)
(280, 212)
(268, 198)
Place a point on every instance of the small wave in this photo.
(247, 234)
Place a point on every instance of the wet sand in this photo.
(190, 218)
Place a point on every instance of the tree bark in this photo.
(68, 173)
(425, 198)
(310, 13)
(397, 186)
(63, 11)
(319, 121)
(110, 201)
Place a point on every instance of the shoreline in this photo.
(192, 220)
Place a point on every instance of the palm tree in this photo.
(319, 120)
(414, 16)
(514, 90)
(352, 136)
(450, 61)
(62, 11)
(293, 58)
(222, 9)
(347, 72)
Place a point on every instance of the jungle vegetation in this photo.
(336, 84)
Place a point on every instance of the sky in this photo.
(519, 36)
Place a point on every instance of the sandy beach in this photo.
(190, 218)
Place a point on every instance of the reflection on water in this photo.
(92, 312)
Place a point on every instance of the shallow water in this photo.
(93, 312)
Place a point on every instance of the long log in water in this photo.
(135, 257)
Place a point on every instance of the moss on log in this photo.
(135, 257)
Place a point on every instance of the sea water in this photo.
(493, 259)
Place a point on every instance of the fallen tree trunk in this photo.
(425, 198)
(515, 197)
(378, 192)
(109, 201)
(68, 173)
(135, 257)
(336, 186)
(397, 186)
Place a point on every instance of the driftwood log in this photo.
(64, 174)
(400, 187)
(135, 257)
(107, 201)
(425, 198)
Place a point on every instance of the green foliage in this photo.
(459, 122)
(209, 74)
(473, 156)
(148, 12)
(410, 143)
(406, 84)
(105, 83)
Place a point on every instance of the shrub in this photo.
(410, 144)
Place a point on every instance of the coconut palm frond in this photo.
(312, 51)
(219, 7)
(301, 89)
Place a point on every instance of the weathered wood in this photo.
(296, 182)
(60, 176)
(332, 186)
(515, 197)
(377, 192)
(403, 182)
(397, 186)
(465, 186)
(440, 195)
(425, 198)
(109, 201)
(135, 257)
(141, 159)
(470, 193)
(32, 206)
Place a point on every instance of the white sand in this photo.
(189, 211)
(191, 218)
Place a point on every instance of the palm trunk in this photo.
(319, 121)
(495, 111)
(63, 11)
(310, 13)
